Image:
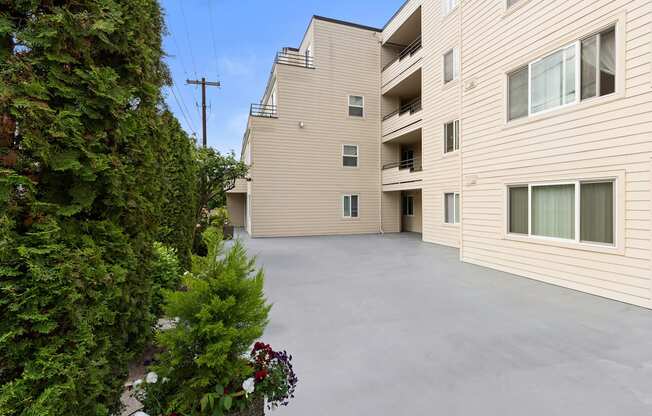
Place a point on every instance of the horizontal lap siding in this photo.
(441, 104)
(610, 135)
(298, 175)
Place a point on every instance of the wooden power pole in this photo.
(203, 84)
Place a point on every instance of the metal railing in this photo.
(295, 59)
(413, 164)
(406, 52)
(411, 107)
(260, 110)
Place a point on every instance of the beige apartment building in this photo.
(519, 131)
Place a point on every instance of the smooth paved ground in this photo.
(388, 325)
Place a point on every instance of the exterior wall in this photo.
(608, 136)
(235, 204)
(298, 177)
(441, 104)
(391, 212)
(413, 223)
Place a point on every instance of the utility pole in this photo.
(203, 84)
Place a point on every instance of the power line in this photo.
(212, 25)
(203, 84)
(184, 106)
(183, 112)
(185, 24)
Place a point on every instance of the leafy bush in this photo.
(221, 311)
(83, 190)
(166, 275)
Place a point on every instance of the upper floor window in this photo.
(350, 155)
(452, 208)
(451, 65)
(579, 211)
(350, 206)
(356, 106)
(579, 71)
(447, 6)
(452, 136)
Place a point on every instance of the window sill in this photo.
(560, 243)
(452, 225)
(592, 102)
(509, 10)
(450, 84)
(451, 154)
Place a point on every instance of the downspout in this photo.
(380, 138)
(461, 129)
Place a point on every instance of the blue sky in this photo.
(235, 41)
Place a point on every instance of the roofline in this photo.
(345, 23)
(405, 3)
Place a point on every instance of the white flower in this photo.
(165, 380)
(140, 414)
(137, 383)
(248, 385)
(151, 378)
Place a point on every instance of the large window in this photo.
(578, 211)
(554, 80)
(350, 155)
(451, 65)
(452, 208)
(350, 206)
(447, 6)
(356, 106)
(408, 205)
(452, 136)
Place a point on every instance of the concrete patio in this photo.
(388, 325)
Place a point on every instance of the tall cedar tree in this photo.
(83, 191)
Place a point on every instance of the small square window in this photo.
(356, 106)
(350, 155)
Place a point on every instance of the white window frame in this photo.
(578, 73)
(456, 138)
(578, 86)
(348, 107)
(578, 208)
(447, 6)
(456, 65)
(357, 156)
(456, 197)
(344, 214)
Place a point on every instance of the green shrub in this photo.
(219, 217)
(83, 187)
(221, 312)
(166, 275)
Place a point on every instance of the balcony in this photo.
(407, 61)
(405, 119)
(402, 175)
(265, 111)
(295, 58)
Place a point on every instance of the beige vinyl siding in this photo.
(298, 177)
(391, 212)
(441, 104)
(235, 205)
(605, 137)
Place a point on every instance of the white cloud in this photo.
(237, 66)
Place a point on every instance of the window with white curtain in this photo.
(448, 6)
(451, 65)
(452, 208)
(350, 155)
(579, 71)
(451, 136)
(581, 211)
(350, 206)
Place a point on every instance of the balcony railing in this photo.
(413, 164)
(295, 59)
(411, 107)
(260, 110)
(408, 51)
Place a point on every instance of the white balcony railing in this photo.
(404, 61)
(405, 172)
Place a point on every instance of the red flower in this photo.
(260, 375)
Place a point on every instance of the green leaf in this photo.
(228, 401)
(219, 389)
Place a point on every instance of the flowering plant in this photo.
(274, 376)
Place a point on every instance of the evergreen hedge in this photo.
(91, 174)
